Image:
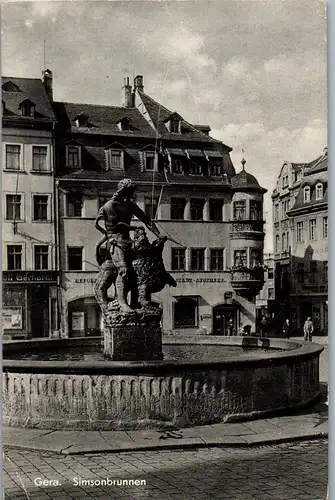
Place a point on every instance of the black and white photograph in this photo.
(165, 250)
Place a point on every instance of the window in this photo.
(177, 166)
(325, 227)
(178, 259)
(307, 194)
(13, 207)
(73, 156)
(217, 259)
(256, 258)
(175, 126)
(312, 229)
(215, 210)
(14, 257)
(115, 159)
(239, 210)
(40, 154)
(74, 205)
(150, 160)
(197, 208)
(271, 293)
(41, 257)
(197, 259)
(216, 166)
(185, 312)
(40, 207)
(255, 210)
(195, 168)
(277, 242)
(325, 271)
(150, 207)
(240, 258)
(301, 272)
(27, 108)
(270, 274)
(276, 214)
(300, 232)
(283, 242)
(313, 272)
(75, 258)
(177, 208)
(10, 87)
(283, 209)
(13, 157)
(319, 191)
(285, 181)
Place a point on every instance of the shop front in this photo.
(29, 304)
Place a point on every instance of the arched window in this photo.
(307, 194)
(27, 108)
(319, 191)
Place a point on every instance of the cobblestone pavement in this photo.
(286, 472)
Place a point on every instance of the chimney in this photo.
(47, 82)
(127, 95)
(138, 83)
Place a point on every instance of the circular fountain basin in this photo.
(67, 384)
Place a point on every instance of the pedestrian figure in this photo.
(308, 330)
(287, 329)
(263, 326)
(230, 327)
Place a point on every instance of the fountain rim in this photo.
(294, 349)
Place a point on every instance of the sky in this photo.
(254, 70)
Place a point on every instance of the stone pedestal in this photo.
(133, 343)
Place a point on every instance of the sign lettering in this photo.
(29, 276)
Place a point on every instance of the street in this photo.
(283, 472)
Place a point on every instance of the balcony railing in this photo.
(246, 226)
(247, 281)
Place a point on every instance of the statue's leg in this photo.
(120, 262)
(144, 296)
(105, 280)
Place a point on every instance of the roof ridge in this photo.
(96, 105)
(21, 78)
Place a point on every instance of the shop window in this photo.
(255, 210)
(40, 155)
(197, 208)
(178, 208)
(312, 229)
(217, 259)
(13, 207)
(325, 227)
(75, 258)
(215, 210)
(319, 191)
(14, 257)
(115, 159)
(300, 232)
(41, 257)
(13, 157)
(150, 207)
(74, 205)
(186, 312)
(178, 259)
(240, 258)
(40, 207)
(239, 210)
(73, 156)
(197, 259)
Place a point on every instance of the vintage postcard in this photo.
(165, 250)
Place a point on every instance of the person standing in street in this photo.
(308, 330)
(287, 329)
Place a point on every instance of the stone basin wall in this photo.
(125, 395)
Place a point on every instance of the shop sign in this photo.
(12, 318)
(29, 277)
(200, 280)
(85, 280)
(206, 316)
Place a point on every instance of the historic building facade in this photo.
(265, 300)
(300, 213)
(187, 183)
(29, 238)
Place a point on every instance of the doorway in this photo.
(224, 320)
(39, 311)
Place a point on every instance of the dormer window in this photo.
(175, 126)
(124, 124)
(307, 194)
(285, 181)
(115, 159)
(319, 191)
(10, 87)
(81, 120)
(150, 160)
(27, 108)
(73, 156)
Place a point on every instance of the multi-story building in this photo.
(300, 241)
(265, 300)
(187, 182)
(29, 238)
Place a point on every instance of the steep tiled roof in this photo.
(244, 180)
(102, 119)
(159, 114)
(29, 88)
(113, 176)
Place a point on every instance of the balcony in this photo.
(246, 281)
(239, 228)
